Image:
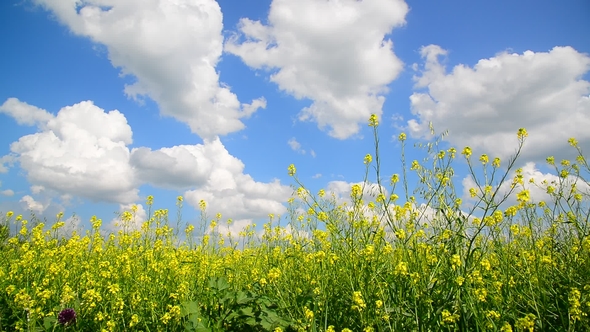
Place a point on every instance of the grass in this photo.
(368, 264)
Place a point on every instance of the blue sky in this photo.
(105, 102)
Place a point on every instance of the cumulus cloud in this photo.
(82, 151)
(235, 194)
(171, 48)
(6, 162)
(7, 192)
(25, 114)
(218, 177)
(332, 52)
(295, 146)
(177, 167)
(483, 106)
(32, 205)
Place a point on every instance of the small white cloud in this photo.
(312, 153)
(25, 114)
(37, 189)
(8, 160)
(483, 107)
(7, 192)
(31, 204)
(295, 146)
(299, 44)
(317, 176)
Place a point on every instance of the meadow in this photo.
(390, 258)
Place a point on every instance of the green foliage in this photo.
(229, 310)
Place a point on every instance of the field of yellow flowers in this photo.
(384, 261)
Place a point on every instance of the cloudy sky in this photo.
(103, 102)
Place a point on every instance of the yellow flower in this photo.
(523, 196)
(368, 159)
(573, 142)
(526, 323)
(514, 229)
(496, 162)
(401, 268)
(460, 280)
(466, 152)
(134, 320)
(394, 179)
(357, 298)
(452, 152)
(149, 200)
(308, 313)
(449, 318)
(506, 327)
(355, 191)
(455, 261)
(401, 137)
(373, 121)
(292, 170)
(493, 315)
(484, 159)
(522, 133)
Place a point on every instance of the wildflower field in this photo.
(392, 258)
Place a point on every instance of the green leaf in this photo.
(194, 325)
(242, 298)
(247, 312)
(222, 284)
(49, 322)
(188, 308)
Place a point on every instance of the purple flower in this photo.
(67, 316)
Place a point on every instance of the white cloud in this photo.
(171, 48)
(295, 146)
(83, 152)
(7, 192)
(332, 52)
(37, 189)
(31, 204)
(483, 107)
(25, 114)
(235, 194)
(177, 167)
(7, 159)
